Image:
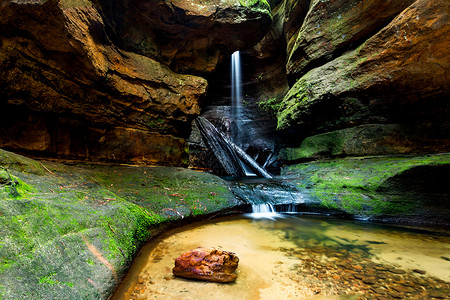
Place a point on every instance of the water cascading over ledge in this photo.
(226, 121)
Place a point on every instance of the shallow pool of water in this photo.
(299, 257)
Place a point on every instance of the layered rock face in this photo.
(96, 79)
(189, 36)
(382, 65)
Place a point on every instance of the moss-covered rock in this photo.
(379, 188)
(261, 5)
(10, 160)
(368, 140)
(70, 231)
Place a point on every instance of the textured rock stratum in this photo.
(375, 63)
(190, 36)
(332, 27)
(75, 74)
(208, 264)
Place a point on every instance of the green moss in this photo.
(261, 4)
(13, 187)
(20, 163)
(48, 279)
(299, 97)
(271, 106)
(113, 208)
(156, 123)
(354, 185)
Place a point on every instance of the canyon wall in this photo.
(113, 80)
(363, 78)
(122, 80)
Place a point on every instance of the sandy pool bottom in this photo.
(296, 258)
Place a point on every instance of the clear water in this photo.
(299, 257)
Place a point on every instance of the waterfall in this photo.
(230, 156)
(264, 211)
(263, 208)
(235, 161)
(236, 99)
(236, 106)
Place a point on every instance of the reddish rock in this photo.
(208, 264)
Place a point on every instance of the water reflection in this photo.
(298, 257)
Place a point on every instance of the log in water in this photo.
(230, 156)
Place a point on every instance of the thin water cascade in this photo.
(264, 211)
(236, 106)
(236, 99)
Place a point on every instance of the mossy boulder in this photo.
(71, 231)
(410, 189)
(363, 140)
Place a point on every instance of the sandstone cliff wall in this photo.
(113, 79)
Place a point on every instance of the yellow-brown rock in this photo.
(333, 27)
(71, 75)
(398, 75)
(207, 264)
(189, 36)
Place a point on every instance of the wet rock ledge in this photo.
(69, 231)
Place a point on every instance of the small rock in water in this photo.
(369, 280)
(397, 271)
(208, 264)
(397, 295)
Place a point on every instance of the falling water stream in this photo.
(236, 99)
(290, 256)
(229, 153)
(236, 106)
(298, 257)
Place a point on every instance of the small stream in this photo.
(299, 257)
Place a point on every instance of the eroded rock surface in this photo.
(332, 27)
(74, 73)
(370, 62)
(208, 264)
(190, 36)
